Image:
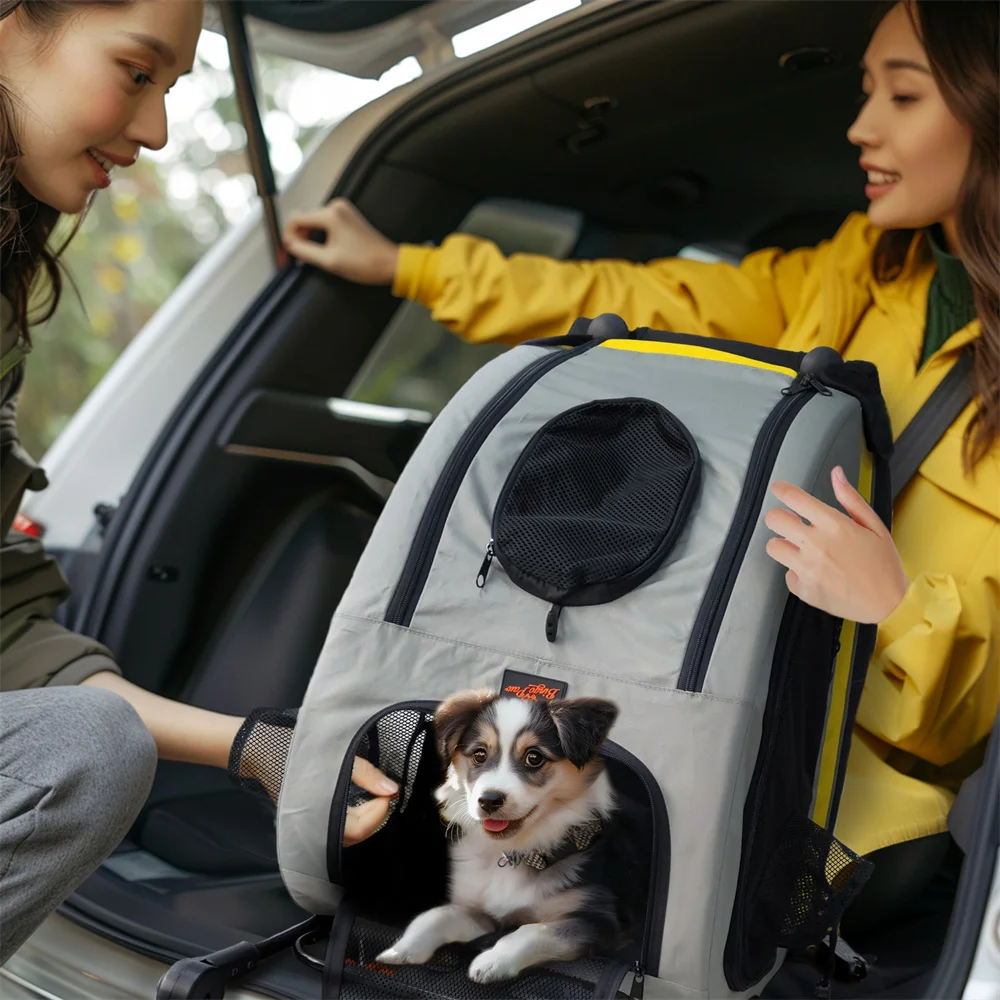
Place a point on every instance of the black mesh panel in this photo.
(809, 883)
(446, 976)
(596, 500)
(260, 750)
(401, 869)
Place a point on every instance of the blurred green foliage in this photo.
(143, 234)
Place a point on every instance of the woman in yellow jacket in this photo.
(907, 287)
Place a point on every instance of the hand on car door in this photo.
(351, 248)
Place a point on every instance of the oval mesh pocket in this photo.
(596, 500)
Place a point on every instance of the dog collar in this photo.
(577, 839)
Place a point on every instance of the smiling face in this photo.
(90, 91)
(515, 763)
(913, 149)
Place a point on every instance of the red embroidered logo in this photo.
(530, 688)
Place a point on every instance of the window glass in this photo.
(418, 363)
(142, 235)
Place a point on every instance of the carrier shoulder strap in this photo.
(938, 413)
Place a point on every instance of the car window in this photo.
(417, 363)
(142, 235)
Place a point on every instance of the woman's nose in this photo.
(862, 132)
(149, 127)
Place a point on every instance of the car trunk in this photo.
(632, 131)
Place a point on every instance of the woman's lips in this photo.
(102, 177)
(873, 191)
(880, 182)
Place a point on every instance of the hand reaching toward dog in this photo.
(844, 564)
(352, 247)
(363, 820)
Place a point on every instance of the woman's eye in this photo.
(534, 759)
(902, 99)
(139, 78)
(479, 756)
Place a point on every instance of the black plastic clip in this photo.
(206, 977)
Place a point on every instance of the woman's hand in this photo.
(363, 820)
(352, 247)
(845, 565)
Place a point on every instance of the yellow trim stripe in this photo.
(834, 735)
(691, 351)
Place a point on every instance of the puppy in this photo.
(528, 805)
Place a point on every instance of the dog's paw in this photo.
(399, 954)
(491, 967)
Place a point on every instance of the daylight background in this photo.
(145, 232)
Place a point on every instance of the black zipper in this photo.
(659, 863)
(338, 806)
(762, 459)
(428, 535)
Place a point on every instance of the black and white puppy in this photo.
(528, 805)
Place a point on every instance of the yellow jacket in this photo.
(933, 685)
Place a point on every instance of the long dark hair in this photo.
(26, 224)
(961, 40)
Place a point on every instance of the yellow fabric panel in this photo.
(830, 751)
(691, 351)
(834, 725)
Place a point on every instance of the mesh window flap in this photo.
(259, 752)
(596, 501)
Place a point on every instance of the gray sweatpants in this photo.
(76, 764)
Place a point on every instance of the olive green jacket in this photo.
(34, 650)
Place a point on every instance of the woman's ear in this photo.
(583, 725)
(454, 716)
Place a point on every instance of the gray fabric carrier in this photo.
(587, 514)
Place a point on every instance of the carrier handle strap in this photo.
(336, 950)
(922, 433)
(579, 333)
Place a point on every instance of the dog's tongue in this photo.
(496, 825)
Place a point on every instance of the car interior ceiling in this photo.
(229, 585)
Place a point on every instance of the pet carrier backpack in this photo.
(585, 517)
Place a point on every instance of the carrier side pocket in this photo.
(794, 877)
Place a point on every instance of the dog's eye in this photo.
(534, 759)
(479, 755)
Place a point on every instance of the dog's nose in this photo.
(490, 802)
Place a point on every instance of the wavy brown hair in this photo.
(26, 224)
(962, 42)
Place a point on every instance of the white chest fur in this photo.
(480, 883)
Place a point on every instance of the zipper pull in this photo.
(552, 622)
(638, 977)
(485, 568)
(806, 381)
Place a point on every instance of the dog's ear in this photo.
(583, 725)
(454, 715)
